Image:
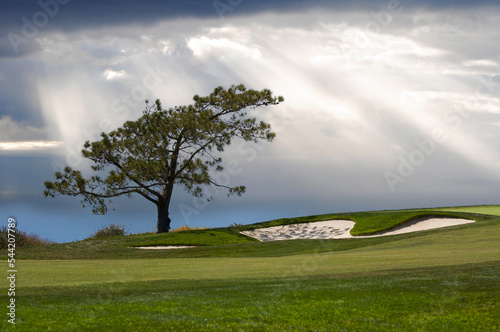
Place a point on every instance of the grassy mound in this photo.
(201, 237)
(368, 222)
(228, 242)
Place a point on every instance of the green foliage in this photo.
(164, 147)
(108, 231)
(22, 239)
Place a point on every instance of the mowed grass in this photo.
(228, 242)
(480, 209)
(437, 280)
(436, 248)
(456, 298)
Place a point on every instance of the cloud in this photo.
(29, 146)
(222, 48)
(24, 22)
(375, 88)
(110, 74)
(17, 138)
(481, 63)
(363, 91)
(12, 131)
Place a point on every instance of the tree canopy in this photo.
(164, 147)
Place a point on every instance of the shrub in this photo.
(187, 228)
(23, 239)
(111, 230)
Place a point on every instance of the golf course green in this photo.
(444, 279)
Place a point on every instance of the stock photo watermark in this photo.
(426, 147)
(380, 19)
(11, 269)
(31, 26)
(223, 6)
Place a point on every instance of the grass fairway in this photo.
(481, 209)
(439, 280)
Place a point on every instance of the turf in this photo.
(458, 246)
(228, 242)
(437, 280)
(460, 298)
(370, 222)
(481, 209)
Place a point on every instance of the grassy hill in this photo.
(228, 242)
(436, 280)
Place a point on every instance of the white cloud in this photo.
(481, 63)
(29, 146)
(222, 48)
(165, 47)
(110, 74)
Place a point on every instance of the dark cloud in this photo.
(23, 21)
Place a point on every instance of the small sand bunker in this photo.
(340, 229)
(165, 247)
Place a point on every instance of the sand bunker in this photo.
(165, 247)
(340, 229)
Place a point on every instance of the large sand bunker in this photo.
(340, 229)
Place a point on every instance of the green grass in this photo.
(458, 298)
(481, 209)
(375, 222)
(228, 242)
(433, 249)
(372, 221)
(437, 280)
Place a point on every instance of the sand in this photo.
(332, 229)
(340, 229)
(165, 247)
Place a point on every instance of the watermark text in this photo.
(11, 271)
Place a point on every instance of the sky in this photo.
(388, 104)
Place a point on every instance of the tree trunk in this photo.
(163, 223)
